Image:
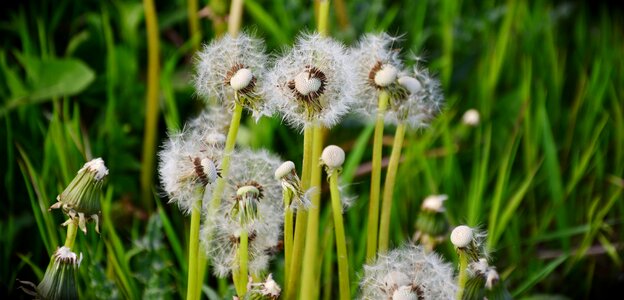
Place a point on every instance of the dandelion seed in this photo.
(312, 82)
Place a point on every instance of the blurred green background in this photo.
(542, 173)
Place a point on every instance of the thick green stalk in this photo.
(373, 209)
(217, 194)
(301, 220)
(72, 229)
(310, 256)
(288, 232)
(341, 244)
(463, 275)
(193, 20)
(243, 254)
(191, 291)
(386, 204)
(151, 107)
(235, 17)
(323, 18)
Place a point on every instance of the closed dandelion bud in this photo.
(431, 223)
(81, 199)
(332, 157)
(313, 82)
(267, 290)
(408, 272)
(59, 281)
(252, 202)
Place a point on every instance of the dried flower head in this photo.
(252, 202)
(419, 102)
(81, 199)
(232, 68)
(377, 67)
(470, 241)
(267, 290)
(312, 82)
(59, 281)
(332, 157)
(189, 159)
(408, 273)
(484, 282)
(432, 223)
(291, 186)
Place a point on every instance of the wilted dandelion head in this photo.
(408, 273)
(484, 282)
(232, 68)
(377, 66)
(470, 241)
(313, 82)
(252, 202)
(59, 281)
(267, 290)
(81, 199)
(294, 196)
(189, 161)
(419, 103)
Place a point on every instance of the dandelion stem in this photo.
(341, 244)
(235, 17)
(243, 254)
(323, 18)
(386, 204)
(373, 209)
(72, 229)
(462, 277)
(217, 194)
(288, 231)
(191, 291)
(151, 106)
(193, 20)
(311, 246)
(301, 219)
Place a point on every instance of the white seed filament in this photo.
(404, 293)
(410, 83)
(461, 236)
(209, 169)
(386, 75)
(97, 167)
(215, 138)
(333, 156)
(396, 279)
(241, 79)
(306, 84)
(284, 169)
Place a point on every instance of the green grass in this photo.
(542, 173)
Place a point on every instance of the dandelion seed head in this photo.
(471, 117)
(404, 293)
(462, 236)
(333, 157)
(284, 169)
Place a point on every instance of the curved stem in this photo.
(463, 276)
(341, 244)
(310, 256)
(373, 209)
(151, 106)
(243, 254)
(386, 204)
(72, 229)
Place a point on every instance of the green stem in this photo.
(373, 209)
(301, 220)
(386, 204)
(288, 232)
(151, 107)
(463, 276)
(310, 255)
(217, 194)
(323, 19)
(72, 229)
(243, 254)
(235, 17)
(341, 244)
(191, 291)
(194, 30)
(236, 280)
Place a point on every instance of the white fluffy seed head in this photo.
(209, 169)
(97, 167)
(462, 236)
(305, 83)
(396, 279)
(471, 117)
(404, 293)
(333, 156)
(386, 76)
(434, 203)
(410, 83)
(241, 79)
(284, 169)
(215, 138)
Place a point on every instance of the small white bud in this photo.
(305, 83)
(96, 166)
(491, 278)
(410, 83)
(241, 79)
(209, 169)
(461, 236)
(284, 169)
(333, 156)
(434, 203)
(386, 75)
(395, 279)
(471, 117)
(247, 189)
(404, 293)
